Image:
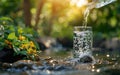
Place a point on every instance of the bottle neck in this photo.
(99, 3)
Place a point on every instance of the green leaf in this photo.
(6, 19)
(20, 30)
(12, 36)
(2, 44)
(1, 47)
(23, 52)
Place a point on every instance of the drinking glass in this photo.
(82, 41)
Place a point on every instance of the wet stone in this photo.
(21, 64)
(38, 63)
(62, 68)
(86, 59)
(53, 61)
(14, 70)
(58, 68)
(41, 68)
(48, 68)
(48, 59)
(34, 67)
(6, 65)
(43, 65)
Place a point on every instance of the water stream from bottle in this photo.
(81, 52)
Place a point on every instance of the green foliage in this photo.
(7, 7)
(105, 20)
(12, 9)
(58, 21)
(14, 37)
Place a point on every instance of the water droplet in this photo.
(98, 70)
(49, 72)
(93, 66)
(108, 55)
(93, 70)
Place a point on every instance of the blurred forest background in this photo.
(56, 18)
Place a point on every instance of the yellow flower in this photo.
(21, 38)
(34, 51)
(24, 46)
(32, 44)
(31, 51)
(8, 43)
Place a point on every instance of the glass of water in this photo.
(82, 41)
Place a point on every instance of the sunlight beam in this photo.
(79, 3)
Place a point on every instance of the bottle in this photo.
(101, 3)
(98, 3)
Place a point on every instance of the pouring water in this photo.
(82, 41)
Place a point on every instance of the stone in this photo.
(7, 55)
(86, 59)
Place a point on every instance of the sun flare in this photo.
(78, 3)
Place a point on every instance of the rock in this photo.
(7, 55)
(59, 68)
(107, 44)
(6, 66)
(48, 68)
(66, 42)
(48, 59)
(47, 42)
(112, 44)
(23, 63)
(86, 59)
(42, 46)
(63, 68)
(41, 67)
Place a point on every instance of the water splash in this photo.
(82, 45)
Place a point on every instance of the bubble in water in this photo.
(82, 43)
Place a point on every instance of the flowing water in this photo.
(108, 63)
(82, 41)
(94, 4)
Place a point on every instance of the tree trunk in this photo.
(39, 9)
(27, 13)
(54, 15)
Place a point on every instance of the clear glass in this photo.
(82, 41)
